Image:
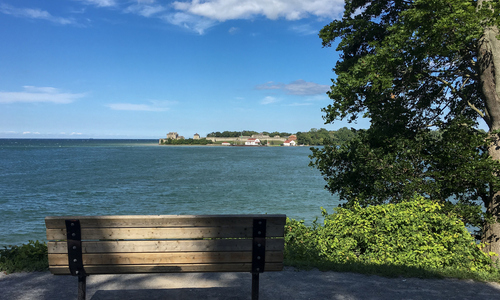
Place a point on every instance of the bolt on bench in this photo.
(88, 245)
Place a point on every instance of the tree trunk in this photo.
(491, 230)
(489, 72)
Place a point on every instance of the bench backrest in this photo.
(173, 244)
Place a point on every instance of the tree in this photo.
(342, 136)
(425, 73)
(304, 138)
(313, 137)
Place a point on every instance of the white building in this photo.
(289, 143)
(252, 142)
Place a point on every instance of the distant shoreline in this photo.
(219, 145)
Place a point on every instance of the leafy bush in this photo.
(413, 234)
(27, 257)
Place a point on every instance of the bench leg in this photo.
(255, 286)
(82, 287)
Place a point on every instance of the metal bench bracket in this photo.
(259, 245)
(74, 240)
(258, 254)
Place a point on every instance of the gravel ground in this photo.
(288, 284)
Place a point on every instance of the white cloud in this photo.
(153, 106)
(145, 10)
(190, 22)
(233, 30)
(200, 15)
(301, 87)
(149, 8)
(223, 10)
(101, 3)
(32, 94)
(29, 132)
(33, 13)
(269, 100)
(298, 87)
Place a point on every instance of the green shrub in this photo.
(416, 235)
(300, 242)
(27, 257)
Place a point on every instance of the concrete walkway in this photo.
(288, 284)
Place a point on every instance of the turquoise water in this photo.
(41, 178)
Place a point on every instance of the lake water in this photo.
(41, 178)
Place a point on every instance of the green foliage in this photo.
(187, 142)
(25, 258)
(322, 136)
(343, 136)
(313, 137)
(452, 165)
(413, 68)
(246, 133)
(232, 133)
(416, 234)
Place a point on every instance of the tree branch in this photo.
(474, 108)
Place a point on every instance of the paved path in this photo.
(289, 284)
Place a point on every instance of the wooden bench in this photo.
(83, 246)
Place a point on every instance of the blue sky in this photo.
(143, 68)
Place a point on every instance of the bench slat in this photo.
(165, 233)
(188, 268)
(164, 221)
(166, 246)
(164, 258)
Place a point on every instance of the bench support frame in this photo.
(258, 254)
(75, 255)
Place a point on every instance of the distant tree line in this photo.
(186, 142)
(317, 137)
(246, 133)
(314, 137)
(275, 133)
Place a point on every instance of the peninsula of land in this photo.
(258, 139)
(314, 137)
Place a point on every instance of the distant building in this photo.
(289, 143)
(196, 136)
(252, 142)
(293, 137)
(172, 135)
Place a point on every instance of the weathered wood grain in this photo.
(188, 268)
(177, 258)
(164, 221)
(152, 246)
